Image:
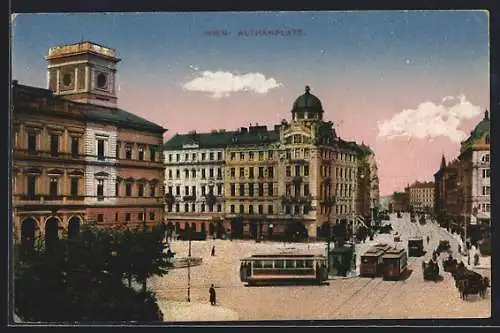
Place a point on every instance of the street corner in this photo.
(175, 311)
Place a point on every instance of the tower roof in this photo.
(307, 101)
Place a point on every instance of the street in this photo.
(342, 298)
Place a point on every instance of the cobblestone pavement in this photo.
(354, 298)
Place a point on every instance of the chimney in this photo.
(243, 130)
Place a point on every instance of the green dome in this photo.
(481, 128)
(307, 101)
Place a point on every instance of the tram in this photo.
(284, 267)
(372, 262)
(395, 264)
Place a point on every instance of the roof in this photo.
(483, 127)
(308, 101)
(222, 139)
(91, 112)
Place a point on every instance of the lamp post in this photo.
(464, 192)
(189, 268)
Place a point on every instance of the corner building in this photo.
(68, 164)
(278, 183)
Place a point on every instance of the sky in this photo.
(410, 84)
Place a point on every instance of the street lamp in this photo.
(464, 191)
(189, 267)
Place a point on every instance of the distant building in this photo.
(422, 196)
(291, 180)
(68, 165)
(400, 201)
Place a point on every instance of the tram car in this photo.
(284, 267)
(395, 263)
(415, 247)
(371, 262)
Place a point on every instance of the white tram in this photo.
(283, 268)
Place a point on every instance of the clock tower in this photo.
(83, 72)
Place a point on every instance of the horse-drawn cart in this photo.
(430, 270)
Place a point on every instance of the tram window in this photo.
(391, 264)
(368, 260)
(299, 263)
(279, 264)
(289, 264)
(309, 263)
(257, 264)
(268, 263)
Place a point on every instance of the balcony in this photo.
(189, 198)
(39, 155)
(140, 163)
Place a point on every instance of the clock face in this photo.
(67, 79)
(101, 81)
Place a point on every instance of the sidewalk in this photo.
(174, 311)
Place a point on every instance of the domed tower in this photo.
(307, 107)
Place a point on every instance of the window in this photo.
(177, 173)
(261, 155)
(219, 189)
(288, 189)
(140, 191)
(117, 189)
(170, 157)
(211, 173)
(193, 208)
(100, 217)
(177, 157)
(250, 172)
(170, 173)
(100, 189)
(177, 190)
(54, 144)
(261, 209)
(250, 209)
(193, 190)
(203, 190)
(288, 171)
(242, 172)
(203, 156)
(486, 158)
(242, 189)
(211, 156)
(31, 187)
(486, 190)
(31, 142)
(250, 189)
(242, 209)
(140, 152)
(100, 150)
(261, 172)
(140, 216)
(152, 154)
(127, 217)
(306, 189)
(297, 209)
(74, 186)
(232, 189)
(232, 209)
(486, 173)
(233, 172)
(219, 173)
(74, 147)
(203, 174)
(233, 156)
(202, 207)
(186, 208)
(242, 156)
(128, 189)
(306, 170)
(128, 151)
(186, 190)
(193, 156)
(116, 216)
(170, 190)
(297, 170)
(186, 173)
(53, 187)
(193, 173)
(151, 216)
(186, 156)
(261, 190)
(270, 209)
(250, 156)
(219, 155)
(270, 189)
(219, 208)
(177, 208)
(270, 172)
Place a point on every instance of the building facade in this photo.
(291, 180)
(422, 196)
(65, 139)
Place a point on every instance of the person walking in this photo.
(213, 251)
(212, 295)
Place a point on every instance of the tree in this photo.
(82, 278)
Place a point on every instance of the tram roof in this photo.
(283, 256)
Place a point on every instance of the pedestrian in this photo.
(459, 249)
(428, 238)
(468, 258)
(212, 295)
(213, 250)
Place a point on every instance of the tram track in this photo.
(338, 308)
